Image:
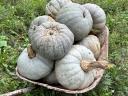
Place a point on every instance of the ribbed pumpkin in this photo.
(35, 67)
(53, 7)
(77, 18)
(98, 15)
(52, 40)
(92, 43)
(69, 72)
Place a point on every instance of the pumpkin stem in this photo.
(86, 65)
(31, 52)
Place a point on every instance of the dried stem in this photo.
(31, 52)
(86, 65)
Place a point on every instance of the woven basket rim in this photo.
(100, 72)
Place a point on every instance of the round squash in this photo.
(98, 15)
(52, 40)
(77, 18)
(33, 67)
(92, 43)
(69, 72)
(51, 78)
(53, 7)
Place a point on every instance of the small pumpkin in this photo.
(52, 40)
(92, 43)
(53, 7)
(33, 67)
(51, 78)
(98, 15)
(77, 18)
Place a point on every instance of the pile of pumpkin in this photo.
(62, 51)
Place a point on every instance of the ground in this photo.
(15, 18)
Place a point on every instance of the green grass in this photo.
(15, 18)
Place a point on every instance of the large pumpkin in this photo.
(53, 7)
(98, 15)
(92, 43)
(77, 18)
(52, 40)
(35, 67)
(69, 72)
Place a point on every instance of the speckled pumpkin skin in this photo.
(69, 72)
(53, 7)
(77, 18)
(38, 21)
(92, 43)
(98, 15)
(52, 40)
(35, 68)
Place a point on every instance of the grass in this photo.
(15, 18)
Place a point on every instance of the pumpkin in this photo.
(92, 43)
(77, 18)
(52, 40)
(51, 78)
(77, 69)
(37, 22)
(53, 7)
(98, 15)
(69, 72)
(33, 67)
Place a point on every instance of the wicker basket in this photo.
(99, 73)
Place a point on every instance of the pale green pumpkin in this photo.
(92, 43)
(33, 68)
(53, 6)
(69, 72)
(77, 18)
(98, 15)
(51, 78)
(52, 40)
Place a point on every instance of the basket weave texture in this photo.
(99, 72)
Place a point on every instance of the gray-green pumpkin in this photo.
(53, 7)
(69, 72)
(77, 18)
(98, 15)
(33, 68)
(92, 43)
(51, 78)
(51, 40)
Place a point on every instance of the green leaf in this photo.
(3, 43)
(3, 38)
